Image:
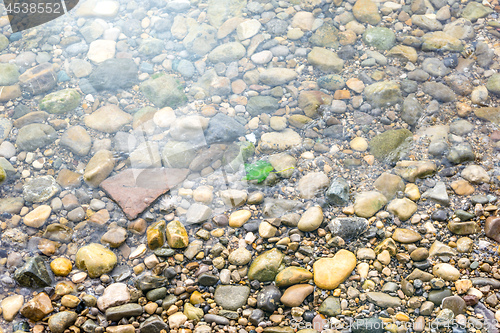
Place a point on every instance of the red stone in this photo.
(135, 189)
(492, 227)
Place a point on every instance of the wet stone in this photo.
(338, 192)
(59, 322)
(268, 298)
(153, 324)
(330, 307)
(348, 228)
(33, 136)
(123, 311)
(265, 266)
(34, 274)
(231, 297)
(391, 145)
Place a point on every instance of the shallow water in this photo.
(121, 114)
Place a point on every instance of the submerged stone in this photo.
(34, 274)
(391, 145)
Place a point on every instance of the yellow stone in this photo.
(96, 259)
(412, 191)
(292, 275)
(156, 235)
(463, 286)
(37, 217)
(238, 218)
(329, 273)
(70, 301)
(196, 298)
(402, 317)
(359, 144)
(61, 266)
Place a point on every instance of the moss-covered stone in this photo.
(156, 235)
(265, 267)
(379, 37)
(164, 90)
(96, 259)
(61, 101)
(177, 236)
(391, 145)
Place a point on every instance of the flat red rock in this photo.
(135, 189)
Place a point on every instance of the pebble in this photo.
(343, 263)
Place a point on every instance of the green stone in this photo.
(385, 93)
(61, 101)
(380, 38)
(4, 42)
(9, 74)
(164, 90)
(34, 274)
(177, 236)
(493, 84)
(178, 154)
(192, 312)
(265, 267)
(326, 36)
(262, 104)
(3, 175)
(391, 145)
(475, 10)
(331, 82)
(330, 307)
(463, 215)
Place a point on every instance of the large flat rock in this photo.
(135, 189)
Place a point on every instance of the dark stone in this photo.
(34, 274)
(153, 324)
(268, 298)
(348, 228)
(338, 192)
(156, 294)
(206, 279)
(334, 131)
(113, 74)
(437, 296)
(439, 215)
(116, 313)
(423, 265)
(222, 128)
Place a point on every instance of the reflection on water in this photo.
(304, 126)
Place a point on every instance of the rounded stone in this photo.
(96, 259)
(61, 266)
(329, 273)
